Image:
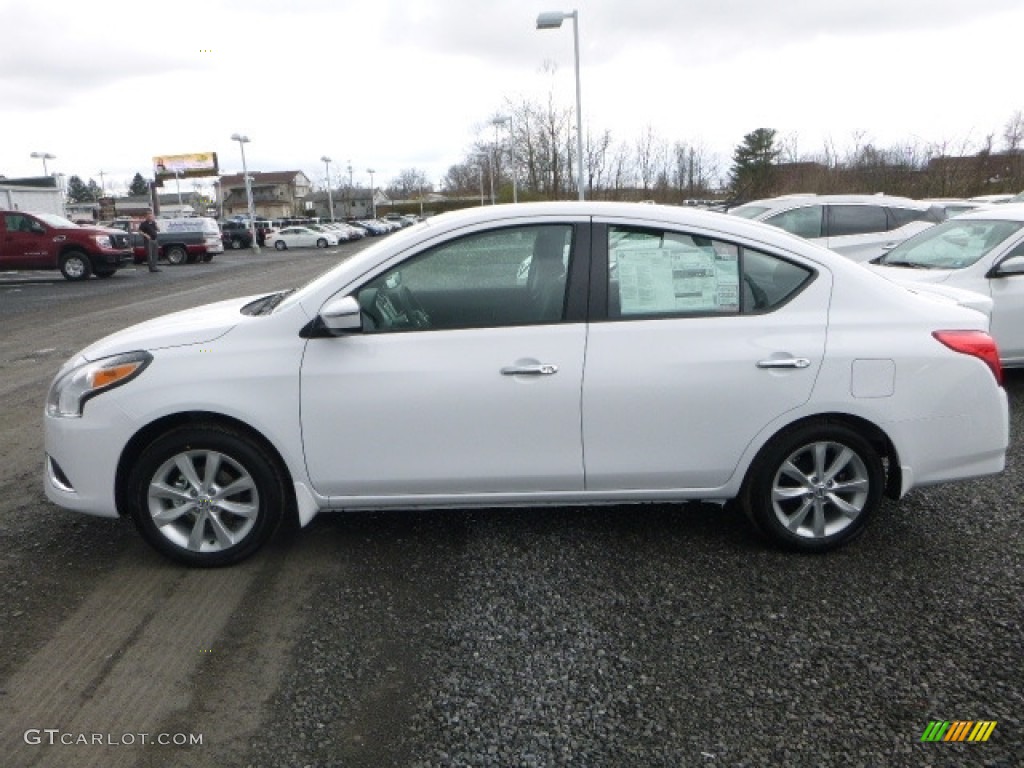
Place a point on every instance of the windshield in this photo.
(953, 244)
(55, 221)
(749, 211)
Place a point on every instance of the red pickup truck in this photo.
(48, 241)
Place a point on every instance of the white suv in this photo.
(861, 227)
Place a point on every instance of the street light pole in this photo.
(553, 20)
(373, 197)
(242, 141)
(506, 120)
(330, 196)
(44, 156)
(348, 206)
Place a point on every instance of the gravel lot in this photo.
(618, 636)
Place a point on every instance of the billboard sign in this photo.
(184, 166)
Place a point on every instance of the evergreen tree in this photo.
(94, 191)
(77, 191)
(139, 186)
(752, 165)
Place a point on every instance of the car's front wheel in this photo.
(280, 245)
(814, 488)
(206, 495)
(321, 242)
(75, 265)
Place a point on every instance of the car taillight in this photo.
(976, 343)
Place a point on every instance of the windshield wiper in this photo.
(907, 264)
(266, 304)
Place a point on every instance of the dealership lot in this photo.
(619, 636)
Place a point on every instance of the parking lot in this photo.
(619, 636)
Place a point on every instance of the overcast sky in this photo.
(106, 85)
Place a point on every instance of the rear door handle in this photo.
(784, 362)
(542, 369)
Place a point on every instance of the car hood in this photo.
(191, 326)
(930, 283)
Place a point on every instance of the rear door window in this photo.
(856, 220)
(804, 221)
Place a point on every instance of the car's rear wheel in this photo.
(280, 245)
(176, 255)
(236, 244)
(815, 487)
(206, 495)
(321, 242)
(75, 265)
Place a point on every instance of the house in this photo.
(275, 194)
(349, 203)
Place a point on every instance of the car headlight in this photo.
(103, 241)
(71, 389)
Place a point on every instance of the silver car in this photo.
(860, 227)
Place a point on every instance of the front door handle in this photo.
(543, 369)
(784, 362)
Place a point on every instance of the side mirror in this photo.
(1014, 265)
(344, 314)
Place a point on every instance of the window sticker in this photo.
(677, 280)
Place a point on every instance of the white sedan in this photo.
(980, 251)
(652, 354)
(300, 237)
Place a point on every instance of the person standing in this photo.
(149, 231)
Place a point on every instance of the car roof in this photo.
(793, 201)
(1004, 212)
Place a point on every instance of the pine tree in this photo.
(753, 160)
(139, 186)
(77, 191)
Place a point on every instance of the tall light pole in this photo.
(44, 156)
(553, 20)
(506, 120)
(330, 196)
(373, 197)
(242, 141)
(348, 206)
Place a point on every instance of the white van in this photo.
(186, 240)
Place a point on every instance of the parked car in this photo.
(236, 234)
(346, 231)
(46, 241)
(300, 237)
(992, 199)
(374, 226)
(183, 240)
(861, 227)
(951, 206)
(981, 251)
(421, 373)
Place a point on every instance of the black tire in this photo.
(176, 255)
(75, 266)
(203, 526)
(321, 242)
(104, 271)
(813, 488)
(207, 257)
(280, 245)
(236, 244)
